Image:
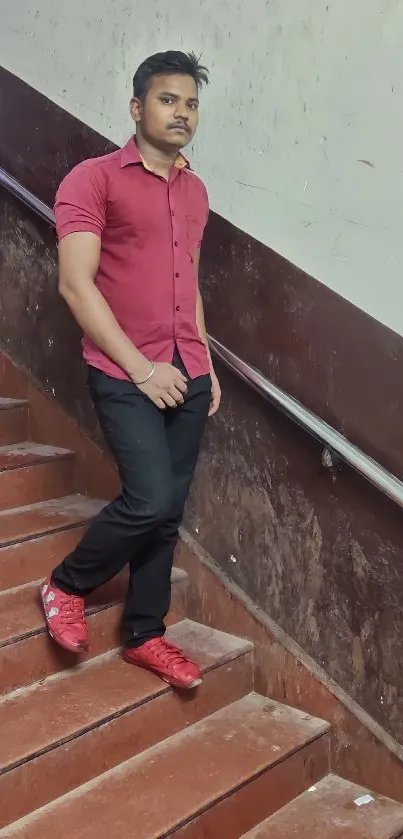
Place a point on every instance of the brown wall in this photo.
(322, 557)
(321, 553)
(36, 329)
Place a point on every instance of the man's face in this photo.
(168, 116)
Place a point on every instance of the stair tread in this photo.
(89, 694)
(21, 613)
(330, 809)
(21, 523)
(185, 774)
(21, 609)
(20, 455)
(7, 404)
(27, 453)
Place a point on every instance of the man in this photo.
(130, 225)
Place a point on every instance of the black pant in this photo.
(156, 453)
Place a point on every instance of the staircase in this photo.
(102, 749)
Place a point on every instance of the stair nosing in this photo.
(41, 534)
(75, 496)
(41, 461)
(41, 505)
(14, 404)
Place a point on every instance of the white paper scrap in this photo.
(364, 799)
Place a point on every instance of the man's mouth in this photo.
(179, 127)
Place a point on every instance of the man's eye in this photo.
(167, 100)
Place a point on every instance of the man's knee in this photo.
(154, 509)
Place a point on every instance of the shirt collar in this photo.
(130, 155)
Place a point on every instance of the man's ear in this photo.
(135, 109)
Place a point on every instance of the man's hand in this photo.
(215, 395)
(166, 387)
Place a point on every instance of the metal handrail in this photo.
(28, 198)
(318, 428)
(334, 442)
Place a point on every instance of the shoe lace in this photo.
(168, 654)
(71, 609)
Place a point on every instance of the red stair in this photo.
(102, 749)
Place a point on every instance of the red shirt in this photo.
(150, 230)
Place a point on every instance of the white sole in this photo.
(195, 684)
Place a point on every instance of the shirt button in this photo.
(176, 275)
(178, 308)
(176, 244)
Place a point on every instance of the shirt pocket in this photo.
(194, 230)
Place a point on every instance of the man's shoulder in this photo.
(196, 183)
(94, 167)
(195, 178)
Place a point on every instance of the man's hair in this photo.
(168, 64)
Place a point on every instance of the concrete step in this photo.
(14, 421)
(211, 779)
(35, 538)
(334, 809)
(27, 654)
(31, 472)
(81, 722)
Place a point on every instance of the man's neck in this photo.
(157, 160)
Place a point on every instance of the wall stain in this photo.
(367, 163)
(322, 557)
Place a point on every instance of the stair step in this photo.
(107, 711)
(35, 538)
(27, 654)
(31, 472)
(14, 421)
(248, 755)
(22, 523)
(8, 403)
(335, 809)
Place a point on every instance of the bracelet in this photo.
(148, 377)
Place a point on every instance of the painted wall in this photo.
(300, 142)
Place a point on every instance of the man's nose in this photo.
(181, 111)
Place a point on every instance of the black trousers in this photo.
(156, 453)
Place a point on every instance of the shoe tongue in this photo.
(169, 649)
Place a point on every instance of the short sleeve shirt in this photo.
(150, 231)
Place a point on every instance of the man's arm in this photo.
(78, 265)
(201, 326)
(79, 255)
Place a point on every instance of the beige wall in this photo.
(301, 135)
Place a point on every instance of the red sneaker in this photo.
(166, 661)
(65, 619)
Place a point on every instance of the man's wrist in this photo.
(140, 370)
(148, 377)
